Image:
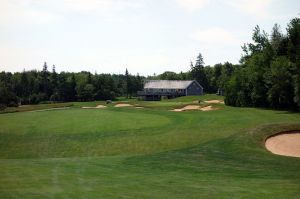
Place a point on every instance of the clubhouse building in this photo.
(155, 89)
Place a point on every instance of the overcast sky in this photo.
(145, 36)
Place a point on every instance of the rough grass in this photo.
(146, 153)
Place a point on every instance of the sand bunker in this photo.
(89, 107)
(214, 102)
(188, 107)
(123, 105)
(194, 107)
(139, 107)
(208, 108)
(287, 144)
(51, 109)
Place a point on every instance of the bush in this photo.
(2, 107)
(37, 98)
(55, 97)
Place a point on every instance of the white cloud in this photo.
(256, 8)
(102, 5)
(22, 12)
(46, 11)
(13, 11)
(192, 5)
(215, 36)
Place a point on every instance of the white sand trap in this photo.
(100, 106)
(51, 109)
(123, 105)
(96, 107)
(214, 102)
(139, 107)
(208, 108)
(187, 108)
(194, 107)
(287, 144)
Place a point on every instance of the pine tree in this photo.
(128, 84)
(198, 72)
(54, 79)
(45, 83)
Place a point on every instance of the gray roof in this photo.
(167, 84)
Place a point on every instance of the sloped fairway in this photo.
(145, 153)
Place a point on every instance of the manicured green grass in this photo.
(24, 108)
(146, 153)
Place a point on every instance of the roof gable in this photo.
(167, 84)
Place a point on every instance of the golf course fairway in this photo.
(147, 152)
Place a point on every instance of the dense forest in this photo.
(268, 76)
(33, 87)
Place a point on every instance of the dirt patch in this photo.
(194, 107)
(96, 107)
(286, 143)
(123, 105)
(214, 101)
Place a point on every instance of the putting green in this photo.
(74, 132)
(75, 121)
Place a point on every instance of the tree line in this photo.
(268, 75)
(211, 78)
(33, 87)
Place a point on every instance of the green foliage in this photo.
(280, 83)
(7, 96)
(128, 84)
(270, 70)
(198, 72)
(294, 54)
(168, 75)
(253, 83)
(238, 90)
(33, 87)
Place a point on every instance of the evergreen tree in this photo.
(54, 79)
(25, 88)
(198, 72)
(276, 39)
(128, 84)
(72, 89)
(45, 83)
